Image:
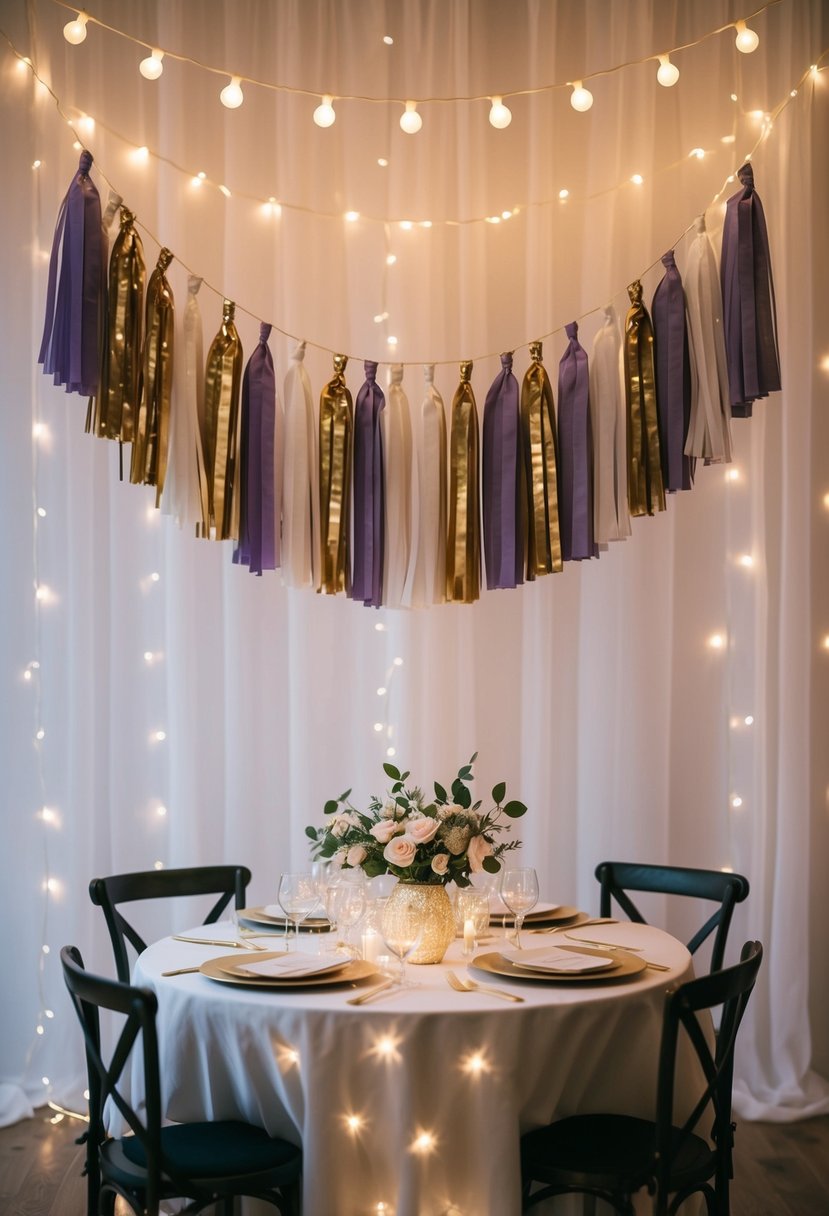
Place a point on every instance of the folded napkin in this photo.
(554, 960)
(292, 966)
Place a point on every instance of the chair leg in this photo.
(228, 1206)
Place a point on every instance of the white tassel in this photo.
(429, 525)
(300, 479)
(396, 425)
(709, 430)
(611, 517)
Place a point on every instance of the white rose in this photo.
(339, 826)
(422, 829)
(356, 855)
(400, 851)
(477, 849)
(389, 810)
(385, 829)
(338, 859)
(451, 808)
(440, 863)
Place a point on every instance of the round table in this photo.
(412, 1105)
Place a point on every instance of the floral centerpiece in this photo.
(417, 838)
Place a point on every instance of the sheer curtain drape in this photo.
(594, 693)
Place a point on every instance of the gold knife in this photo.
(369, 996)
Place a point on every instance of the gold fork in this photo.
(461, 985)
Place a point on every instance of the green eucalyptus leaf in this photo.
(331, 806)
(440, 793)
(465, 773)
(311, 833)
(474, 758)
(515, 809)
(498, 792)
(491, 865)
(391, 771)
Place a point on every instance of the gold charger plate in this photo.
(625, 966)
(227, 970)
(553, 916)
(258, 916)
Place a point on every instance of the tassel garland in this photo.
(222, 381)
(72, 332)
(463, 543)
(501, 482)
(673, 377)
(575, 442)
(260, 452)
(369, 495)
(646, 492)
(151, 434)
(748, 299)
(538, 426)
(335, 441)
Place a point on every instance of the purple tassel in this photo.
(369, 492)
(673, 377)
(258, 546)
(71, 346)
(575, 447)
(501, 484)
(749, 314)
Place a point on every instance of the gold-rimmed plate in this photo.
(624, 967)
(230, 969)
(558, 914)
(276, 924)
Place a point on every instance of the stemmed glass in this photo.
(298, 896)
(348, 903)
(402, 933)
(519, 891)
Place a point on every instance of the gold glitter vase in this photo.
(430, 902)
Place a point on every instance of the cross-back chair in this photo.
(204, 1163)
(612, 1156)
(227, 882)
(616, 878)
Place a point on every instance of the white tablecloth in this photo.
(416, 1101)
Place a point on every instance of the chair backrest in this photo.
(619, 877)
(89, 994)
(729, 989)
(228, 882)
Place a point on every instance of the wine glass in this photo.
(298, 896)
(348, 905)
(402, 933)
(519, 891)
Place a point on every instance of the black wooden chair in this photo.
(204, 1163)
(228, 882)
(613, 1156)
(618, 877)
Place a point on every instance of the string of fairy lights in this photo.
(324, 115)
(383, 726)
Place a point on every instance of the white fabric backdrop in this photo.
(593, 693)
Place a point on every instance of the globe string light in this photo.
(746, 41)
(770, 118)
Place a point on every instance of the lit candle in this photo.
(468, 935)
(371, 945)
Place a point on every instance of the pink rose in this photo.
(356, 855)
(400, 851)
(477, 849)
(440, 863)
(422, 829)
(385, 829)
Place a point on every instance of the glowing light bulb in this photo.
(40, 735)
(697, 153)
(746, 559)
(506, 215)
(581, 99)
(141, 155)
(232, 95)
(75, 31)
(158, 865)
(352, 216)
(746, 40)
(161, 810)
(380, 627)
(382, 162)
(40, 1030)
(155, 576)
(378, 320)
(381, 691)
(391, 258)
(378, 726)
(36, 164)
(160, 736)
(398, 662)
(43, 594)
(27, 675)
(324, 115)
(389, 41)
(732, 475)
(152, 67)
(716, 641)
(41, 512)
(410, 120)
(391, 340)
(425, 223)
(667, 73)
(736, 802)
(749, 719)
(500, 116)
(406, 225)
(637, 179)
(390, 751)
(563, 194)
(224, 190)
(50, 1013)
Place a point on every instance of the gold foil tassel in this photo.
(538, 432)
(336, 429)
(112, 414)
(222, 381)
(646, 492)
(463, 544)
(152, 427)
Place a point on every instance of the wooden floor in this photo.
(781, 1169)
